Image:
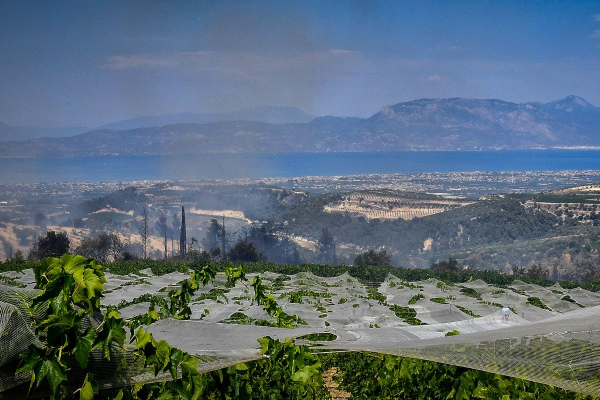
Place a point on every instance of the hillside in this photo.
(427, 124)
(452, 124)
(9, 133)
(500, 221)
(551, 228)
(271, 115)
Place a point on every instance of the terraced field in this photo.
(394, 206)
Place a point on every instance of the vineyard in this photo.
(75, 329)
(586, 213)
(393, 205)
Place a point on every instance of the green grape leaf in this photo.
(264, 344)
(142, 338)
(481, 391)
(52, 371)
(112, 331)
(74, 265)
(58, 325)
(51, 289)
(241, 367)
(83, 347)
(31, 363)
(48, 267)
(153, 315)
(89, 389)
(93, 283)
(163, 352)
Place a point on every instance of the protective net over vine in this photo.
(547, 335)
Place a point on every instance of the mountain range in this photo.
(425, 124)
(271, 115)
(12, 133)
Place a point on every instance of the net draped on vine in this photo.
(553, 340)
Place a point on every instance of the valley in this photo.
(498, 221)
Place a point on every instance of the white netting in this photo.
(554, 339)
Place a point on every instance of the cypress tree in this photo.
(182, 236)
(223, 233)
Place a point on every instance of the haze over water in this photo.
(238, 166)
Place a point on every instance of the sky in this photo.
(87, 63)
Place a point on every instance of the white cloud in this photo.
(434, 78)
(137, 61)
(456, 48)
(596, 33)
(242, 65)
(197, 53)
(343, 52)
(597, 17)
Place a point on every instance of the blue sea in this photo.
(235, 166)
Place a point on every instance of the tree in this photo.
(9, 251)
(223, 239)
(213, 234)
(286, 251)
(215, 240)
(182, 236)
(162, 228)
(555, 274)
(144, 231)
(586, 269)
(39, 219)
(326, 247)
(294, 256)
(175, 230)
(445, 266)
(215, 253)
(105, 247)
(129, 256)
(372, 258)
(244, 251)
(196, 255)
(518, 270)
(537, 272)
(267, 240)
(18, 257)
(263, 236)
(54, 244)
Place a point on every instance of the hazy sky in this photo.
(93, 62)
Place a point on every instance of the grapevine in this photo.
(71, 290)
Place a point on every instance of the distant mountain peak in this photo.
(270, 114)
(571, 103)
(576, 99)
